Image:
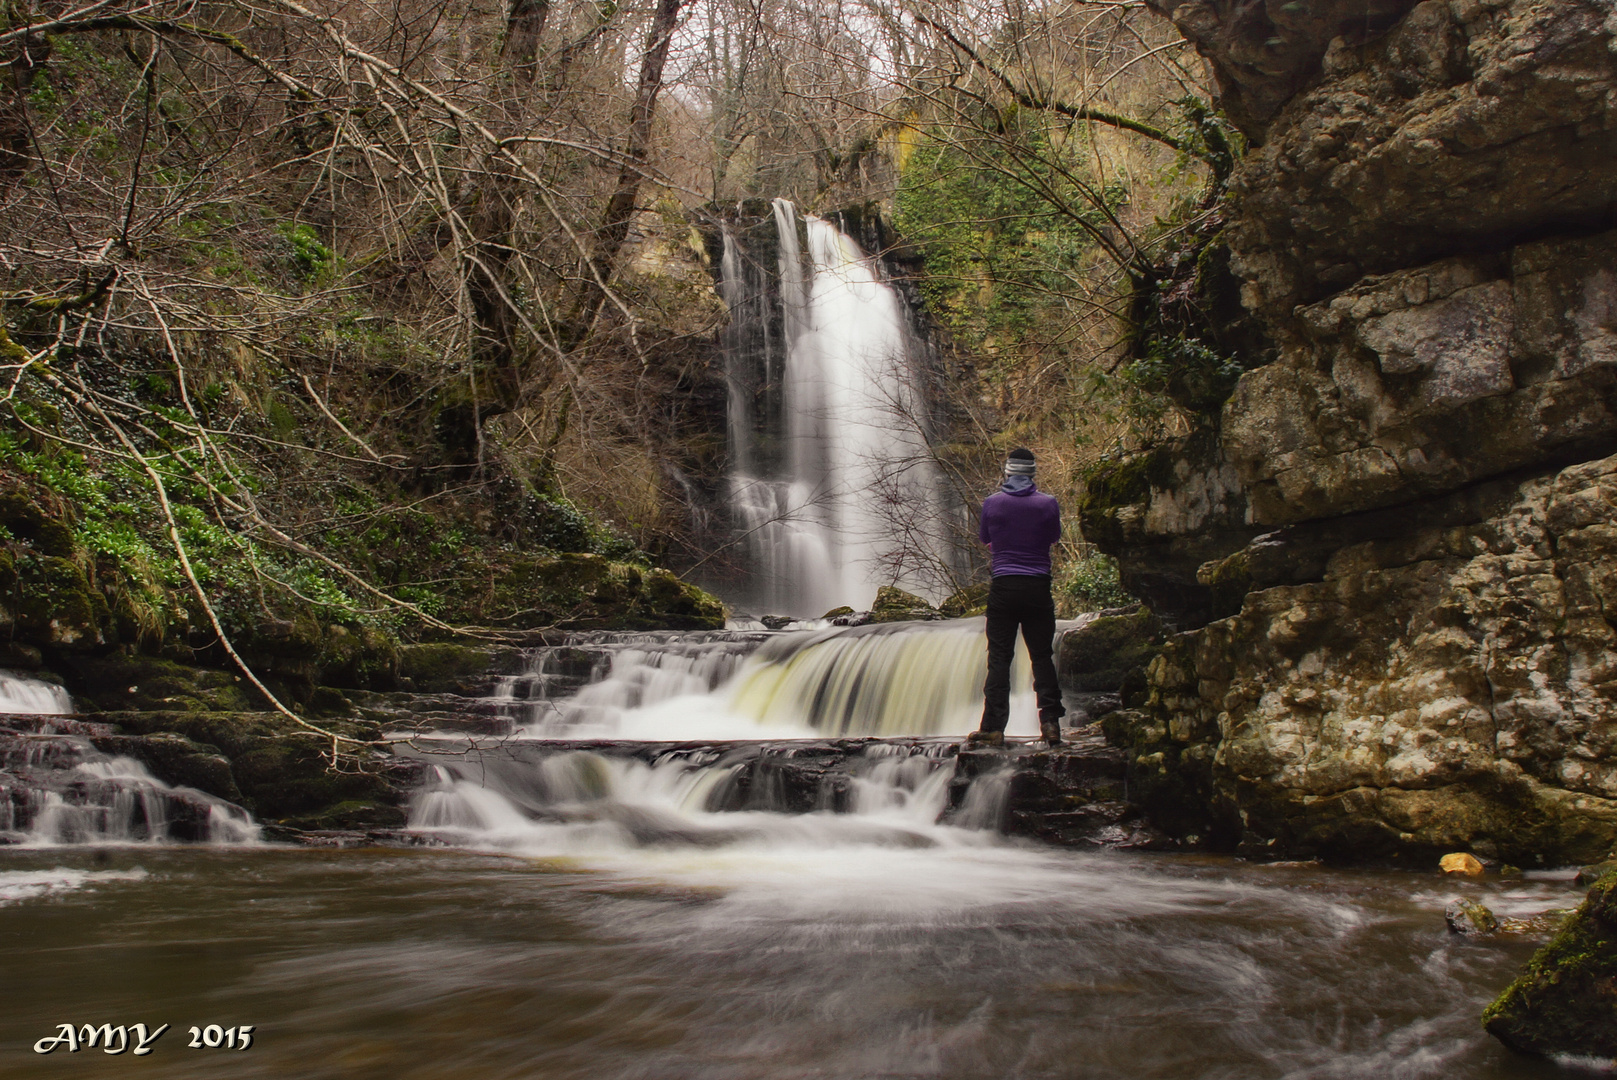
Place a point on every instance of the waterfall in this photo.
(831, 480)
(586, 803)
(879, 679)
(19, 694)
(57, 788)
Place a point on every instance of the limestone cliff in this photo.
(1393, 555)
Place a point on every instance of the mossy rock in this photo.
(351, 814)
(280, 769)
(443, 667)
(895, 605)
(359, 658)
(177, 760)
(122, 682)
(1100, 654)
(56, 608)
(47, 529)
(591, 592)
(1230, 579)
(972, 600)
(1565, 1000)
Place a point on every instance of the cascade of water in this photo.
(833, 488)
(585, 686)
(894, 679)
(582, 802)
(57, 788)
(881, 679)
(19, 694)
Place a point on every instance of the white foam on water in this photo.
(19, 885)
(895, 853)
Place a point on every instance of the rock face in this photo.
(1393, 558)
(1264, 53)
(1565, 1001)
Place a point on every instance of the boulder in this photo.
(1101, 650)
(895, 605)
(962, 603)
(445, 667)
(1564, 1003)
(1470, 918)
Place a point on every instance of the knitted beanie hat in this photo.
(1020, 462)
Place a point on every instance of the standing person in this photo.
(1019, 524)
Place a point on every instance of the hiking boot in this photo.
(984, 740)
(1050, 732)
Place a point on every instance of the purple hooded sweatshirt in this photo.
(1019, 524)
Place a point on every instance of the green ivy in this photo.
(1092, 583)
(999, 230)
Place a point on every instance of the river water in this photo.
(982, 960)
(599, 916)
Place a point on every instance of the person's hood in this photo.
(1018, 485)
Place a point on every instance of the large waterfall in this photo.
(831, 481)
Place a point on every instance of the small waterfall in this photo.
(57, 788)
(881, 679)
(582, 802)
(893, 679)
(20, 694)
(586, 686)
(831, 479)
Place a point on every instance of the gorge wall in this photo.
(1392, 556)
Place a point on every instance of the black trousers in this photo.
(1020, 600)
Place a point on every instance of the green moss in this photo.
(1110, 485)
(972, 600)
(1100, 654)
(350, 815)
(439, 668)
(55, 605)
(1565, 1000)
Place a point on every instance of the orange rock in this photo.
(1461, 863)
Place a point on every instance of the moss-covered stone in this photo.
(177, 760)
(1098, 654)
(583, 592)
(123, 682)
(55, 606)
(1565, 1000)
(895, 605)
(351, 814)
(443, 667)
(280, 769)
(963, 603)
(27, 516)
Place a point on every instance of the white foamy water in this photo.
(116, 800)
(20, 694)
(893, 679)
(20, 885)
(676, 821)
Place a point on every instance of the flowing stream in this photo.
(587, 906)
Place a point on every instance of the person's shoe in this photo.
(982, 740)
(1050, 732)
